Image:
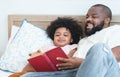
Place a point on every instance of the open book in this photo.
(47, 62)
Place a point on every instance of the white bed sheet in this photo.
(4, 74)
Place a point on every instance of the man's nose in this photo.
(89, 19)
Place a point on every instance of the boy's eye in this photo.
(57, 35)
(66, 35)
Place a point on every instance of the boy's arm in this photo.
(28, 67)
(71, 53)
(116, 52)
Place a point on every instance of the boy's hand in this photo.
(34, 54)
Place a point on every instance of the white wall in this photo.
(46, 7)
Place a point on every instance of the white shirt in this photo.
(109, 36)
(66, 48)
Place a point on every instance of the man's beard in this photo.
(94, 29)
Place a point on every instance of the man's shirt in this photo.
(109, 36)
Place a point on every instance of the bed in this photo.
(42, 21)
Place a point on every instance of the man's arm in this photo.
(116, 52)
(70, 62)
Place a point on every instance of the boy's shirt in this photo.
(66, 48)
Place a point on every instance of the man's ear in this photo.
(107, 22)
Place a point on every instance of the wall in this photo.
(46, 7)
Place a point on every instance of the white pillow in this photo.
(28, 38)
(13, 32)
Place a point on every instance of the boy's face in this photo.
(62, 37)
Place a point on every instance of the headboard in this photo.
(39, 20)
(44, 20)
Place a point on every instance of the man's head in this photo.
(97, 18)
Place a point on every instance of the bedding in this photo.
(28, 39)
(4, 73)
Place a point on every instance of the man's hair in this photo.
(69, 23)
(106, 9)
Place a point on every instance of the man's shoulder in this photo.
(111, 28)
(114, 26)
(106, 32)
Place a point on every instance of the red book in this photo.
(47, 62)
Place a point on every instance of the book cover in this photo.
(47, 62)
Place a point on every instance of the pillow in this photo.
(13, 32)
(28, 39)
